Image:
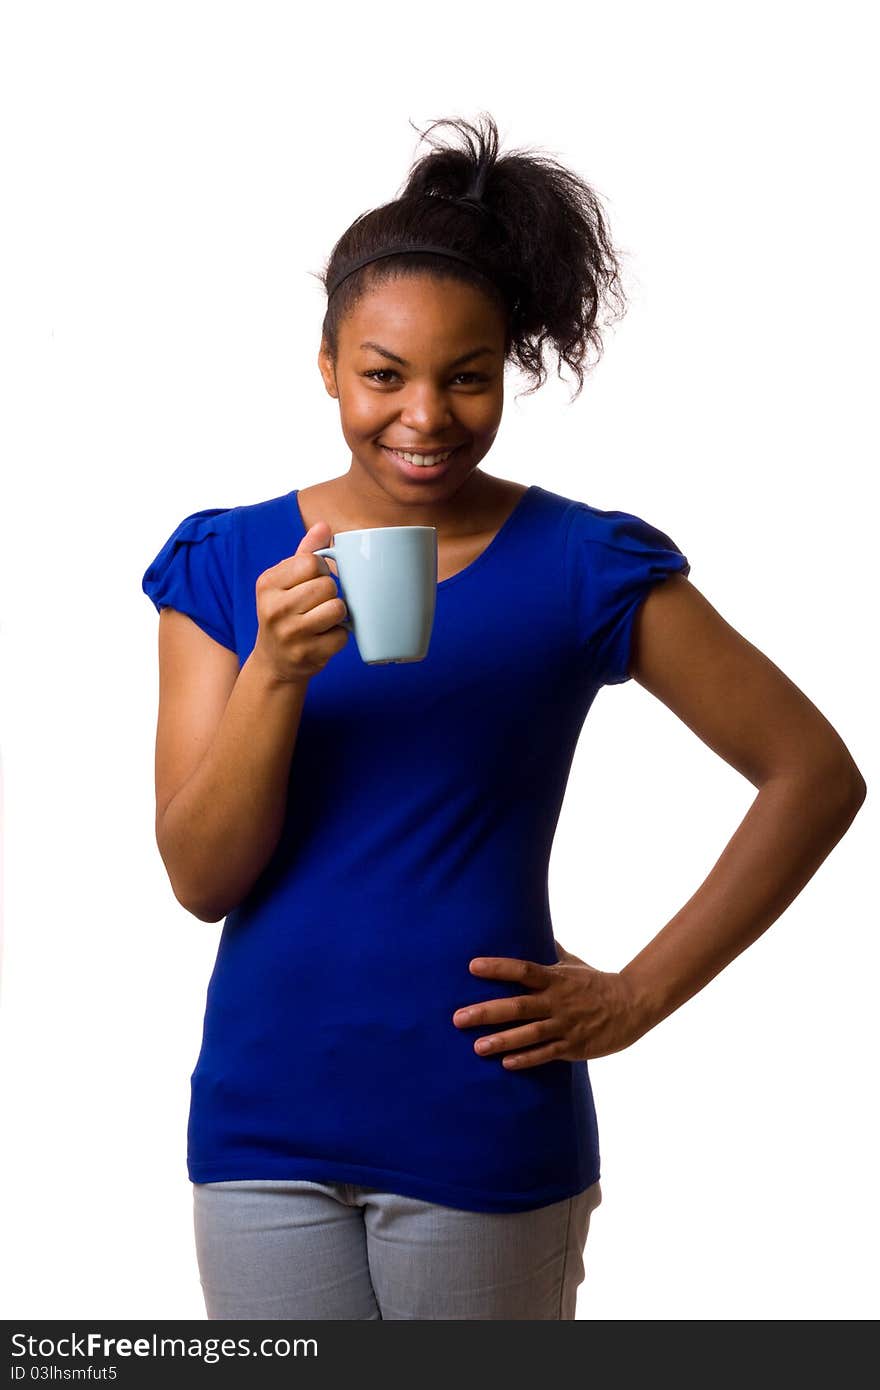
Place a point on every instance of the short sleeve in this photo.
(613, 560)
(193, 573)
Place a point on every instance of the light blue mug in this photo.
(388, 579)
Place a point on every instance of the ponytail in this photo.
(519, 226)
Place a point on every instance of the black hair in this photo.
(539, 232)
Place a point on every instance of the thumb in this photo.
(318, 537)
(563, 954)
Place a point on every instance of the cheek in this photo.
(365, 413)
(485, 423)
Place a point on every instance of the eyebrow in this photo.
(393, 357)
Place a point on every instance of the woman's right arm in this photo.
(218, 832)
(226, 737)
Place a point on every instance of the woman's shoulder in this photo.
(587, 525)
(239, 521)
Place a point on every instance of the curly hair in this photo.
(536, 227)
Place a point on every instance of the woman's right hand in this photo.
(299, 611)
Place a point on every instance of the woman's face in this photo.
(438, 384)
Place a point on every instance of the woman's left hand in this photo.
(573, 1012)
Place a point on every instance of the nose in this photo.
(425, 410)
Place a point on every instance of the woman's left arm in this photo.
(809, 790)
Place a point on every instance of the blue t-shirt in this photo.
(423, 800)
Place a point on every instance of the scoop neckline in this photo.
(502, 531)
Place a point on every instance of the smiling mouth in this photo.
(419, 460)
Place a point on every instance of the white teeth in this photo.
(423, 460)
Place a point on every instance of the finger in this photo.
(325, 616)
(492, 1011)
(543, 1032)
(310, 594)
(299, 568)
(520, 1061)
(527, 972)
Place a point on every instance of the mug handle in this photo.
(330, 550)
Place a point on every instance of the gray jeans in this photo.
(271, 1248)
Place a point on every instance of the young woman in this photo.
(391, 1110)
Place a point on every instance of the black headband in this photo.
(399, 250)
(404, 247)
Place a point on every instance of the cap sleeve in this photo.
(613, 559)
(193, 573)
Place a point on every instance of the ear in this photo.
(327, 370)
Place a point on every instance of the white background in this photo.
(173, 173)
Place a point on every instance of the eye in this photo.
(377, 372)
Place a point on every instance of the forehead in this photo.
(421, 315)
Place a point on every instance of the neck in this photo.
(459, 513)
